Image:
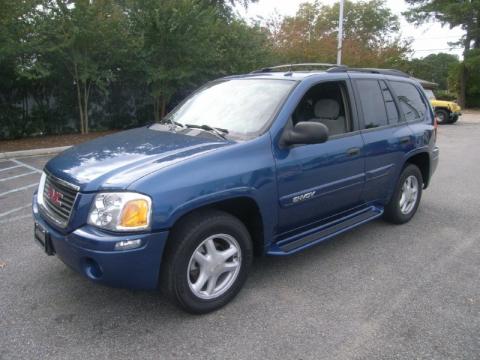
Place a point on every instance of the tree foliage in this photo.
(86, 39)
(464, 14)
(369, 34)
(76, 65)
(434, 68)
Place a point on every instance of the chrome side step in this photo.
(311, 237)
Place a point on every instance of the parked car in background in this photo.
(447, 112)
(268, 163)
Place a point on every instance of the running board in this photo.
(312, 237)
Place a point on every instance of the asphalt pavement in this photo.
(379, 292)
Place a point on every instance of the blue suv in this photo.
(272, 162)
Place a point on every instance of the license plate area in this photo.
(42, 237)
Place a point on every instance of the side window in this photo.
(390, 106)
(411, 102)
(372, 104)
(326, 103)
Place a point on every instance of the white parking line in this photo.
(16, 218)
(18, 189)
(17, 176)
(26, 165)
(15, 210)
(10, 168)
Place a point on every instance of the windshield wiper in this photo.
(214, 130)
(168, 120)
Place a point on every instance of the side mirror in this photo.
(305, 133)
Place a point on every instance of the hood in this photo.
(115, 161)
(447, 104)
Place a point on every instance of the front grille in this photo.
(59, 197)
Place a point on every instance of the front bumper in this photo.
(455, 115)
(90, 252)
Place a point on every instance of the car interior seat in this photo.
(327, 112)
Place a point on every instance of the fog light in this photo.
(128, 244)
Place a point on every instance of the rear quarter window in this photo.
(411, 102)
(372, 103)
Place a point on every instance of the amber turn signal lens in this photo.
(134, 214)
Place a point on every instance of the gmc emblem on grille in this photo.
(55, 196)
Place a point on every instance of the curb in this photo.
(33, 152)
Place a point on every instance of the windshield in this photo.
(243, 107)
(430, 94)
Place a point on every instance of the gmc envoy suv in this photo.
(268, 163)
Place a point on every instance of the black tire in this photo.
(184, 240)
(443, 117)
(454, 119)
(393, 212)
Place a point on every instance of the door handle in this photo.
(353, 151)
(405, 140)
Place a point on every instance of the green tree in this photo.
(434, 68)
(465, 14)
(175, 45)
(370, 37)
(472, 65)
(16, 53)
(181, 43)
(88, 39)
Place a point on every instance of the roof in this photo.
(315, 69)
(427, 84)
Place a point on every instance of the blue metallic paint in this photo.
(182, 173)
(135, 269)
(115, 161)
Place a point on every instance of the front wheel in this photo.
(407, 195)
(443, 117)
(206, 261)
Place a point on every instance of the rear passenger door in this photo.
(386, 136)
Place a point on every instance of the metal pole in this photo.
(340, 34)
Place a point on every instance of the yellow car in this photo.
(447, 112)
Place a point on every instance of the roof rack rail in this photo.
(333, 68)
(291, 66)
(393, 72)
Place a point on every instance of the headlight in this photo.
(41, 188)
(123, 211)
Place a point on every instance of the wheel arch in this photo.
(422, 161)
(442, 108)
(244, 207)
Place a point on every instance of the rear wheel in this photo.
(207, 261)
(406, 198)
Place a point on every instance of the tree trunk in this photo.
(156, 108)
(163, 109)
(85, 107)
(462, 96)
(476, 40)
(463, 85)
(80, 108)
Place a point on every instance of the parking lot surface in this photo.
(378, 292)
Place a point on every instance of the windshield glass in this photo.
(243, 107)
(430, 94)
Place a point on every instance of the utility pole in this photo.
(340, 34)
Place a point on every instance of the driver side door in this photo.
(320, 180)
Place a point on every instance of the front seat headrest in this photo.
(327, 109)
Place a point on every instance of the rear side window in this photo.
(411, 102)
(390, 106)
(371, 100)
